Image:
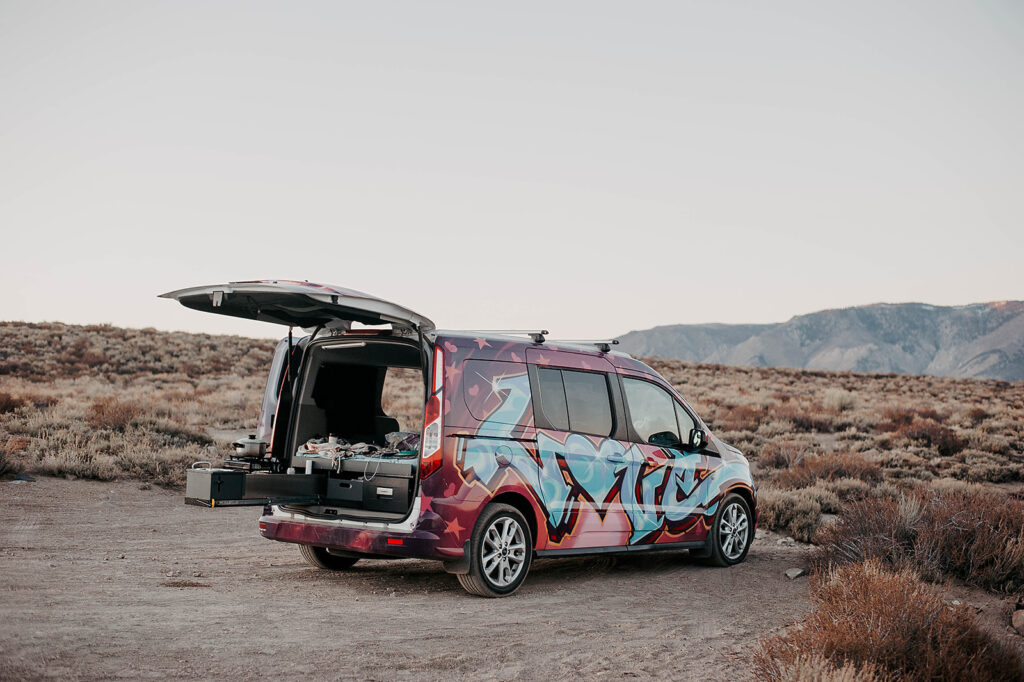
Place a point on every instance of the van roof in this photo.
(517, 342)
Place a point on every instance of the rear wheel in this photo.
(321, 558)
(501, 550)
(732, 532)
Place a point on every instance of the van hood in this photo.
(298, 304)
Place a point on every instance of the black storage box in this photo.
(211, 485)
(284, 486)
(386, 494)
(344, 492)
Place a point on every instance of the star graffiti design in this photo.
(452, 371)
(453, 527)
(493, 382)
(482, 343)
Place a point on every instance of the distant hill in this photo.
(977, 340)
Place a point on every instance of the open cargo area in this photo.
(346, 446)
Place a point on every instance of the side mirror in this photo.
(698, 439)
(665, 439)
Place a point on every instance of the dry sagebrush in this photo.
(964, 532)
(872, 623)
(108, 403)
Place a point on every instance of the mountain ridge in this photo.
(983, 340)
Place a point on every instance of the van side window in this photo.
(552, 398)
(590, 409)
(652, 412)
(576, 401)
(686, 423)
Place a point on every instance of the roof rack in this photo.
(538, 335)
(603, 345)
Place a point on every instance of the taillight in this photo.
(433, 419)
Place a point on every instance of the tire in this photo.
(735, 521)
(501, 550)
(320, 558)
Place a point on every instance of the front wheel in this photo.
(321, 558)
(501, 550)
(732, 532)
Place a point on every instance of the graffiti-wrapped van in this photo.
(527, 447)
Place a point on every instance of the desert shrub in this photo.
(977, 415)
(40, 400)
(172, 435)
(806, 419)
(995, 473)
(16, 444)
(742, 417)
(780, 455)
(879, 623)
(110, 413)
(934, 435)
(929, 413)
(827, 467)
(965, 533)
(8, 467)
(167, 469)
(946, 484)
(895, 417)
(794, 511)
(826, 499)
(838, 400)
(989, 442)
(9, 403)
(886, 490)
(847, 488)
(771, 428)
(979, 466)
(817, 668)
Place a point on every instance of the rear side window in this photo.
(576, 401)
(496, 391)
(552, 399)
(651, 410)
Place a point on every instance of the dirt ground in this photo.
(106, 580)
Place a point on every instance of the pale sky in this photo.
(585, 167)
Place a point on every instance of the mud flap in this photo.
(459, 566)
(702, 552)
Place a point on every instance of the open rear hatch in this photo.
(316, 307)
(299, 304)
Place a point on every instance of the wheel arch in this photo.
(747, 493)
(523, 505)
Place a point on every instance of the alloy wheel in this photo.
(733, 531)
(504, 551)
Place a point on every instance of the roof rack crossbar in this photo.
(604, 345)
(538, 335)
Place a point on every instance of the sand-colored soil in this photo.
(87, 591)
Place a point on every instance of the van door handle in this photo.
(616, 457)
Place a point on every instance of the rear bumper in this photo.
(419, 544)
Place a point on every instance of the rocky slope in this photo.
(978, 340)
